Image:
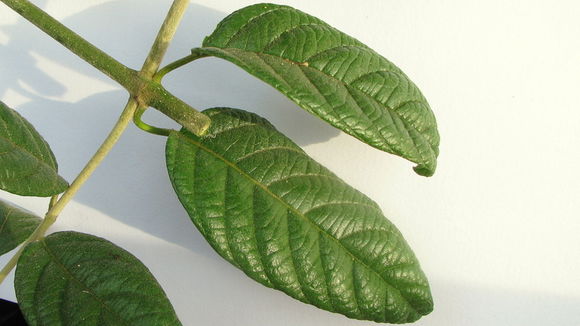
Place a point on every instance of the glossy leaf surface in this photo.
(27, 165)
(16, 225)
(291, 224)
(71, 278)
(331, 75)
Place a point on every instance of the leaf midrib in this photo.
(6, 216)
(392, 110)
(29, 153)
(40, 163)
(298, 213)
(25, 218)
(73, 278)
(32, 136)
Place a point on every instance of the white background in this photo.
(496, 229)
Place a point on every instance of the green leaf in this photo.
(71, 278)
(27, 165)
(16, 225)
(332, 76)
(291, 224)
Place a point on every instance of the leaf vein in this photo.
(295, 211)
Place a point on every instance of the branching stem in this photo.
(138, 83)
(39, 18)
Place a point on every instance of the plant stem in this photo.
(53, 201)
(151, 64)
(164, 37)
(177, 64)
(146, 127)
(73, 41)
(138, 84)
(150, 67)
(86, 172)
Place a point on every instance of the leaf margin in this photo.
(15, 229)
(30, 263)
(419, 140)
(49, 183)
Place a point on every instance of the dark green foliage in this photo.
(291, 224)
(16, 224)
(331, 75)
(71, 278)
(27, 165)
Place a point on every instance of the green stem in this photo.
(177, 64)
(53, 201)
(151, 64)
(89, 168)
(74, 42)
(164, 37)
(95, 161)
(138, 84)
(146, 127)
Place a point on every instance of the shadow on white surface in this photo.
(475, 305)
(212, 292)
(217, 294)
(456, 305)
(205, 83)
(132, 185)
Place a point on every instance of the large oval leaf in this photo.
(16, 225)
(71, 278)
(291, 224)
(27, 165)
(331, 75)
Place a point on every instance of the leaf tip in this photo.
(425, 170)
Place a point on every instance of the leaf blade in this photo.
(291, 224)
(16, 225)
(70, 278)
(332, 76)
(28, 166)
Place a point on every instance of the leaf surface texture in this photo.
(27, 165)
(332, 76)
(291, 224)
(71, 278)
(16, 225)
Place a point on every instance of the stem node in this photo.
(142, 89)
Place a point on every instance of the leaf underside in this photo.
(27, 165)
(16, 225)
(291, 224)
(71, 278)
(332, 76)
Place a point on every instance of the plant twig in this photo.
(72, 41)
(177, 64)
(164, 37)
(86, 172)
(138, 84)
(151, 64)
(146, 127)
